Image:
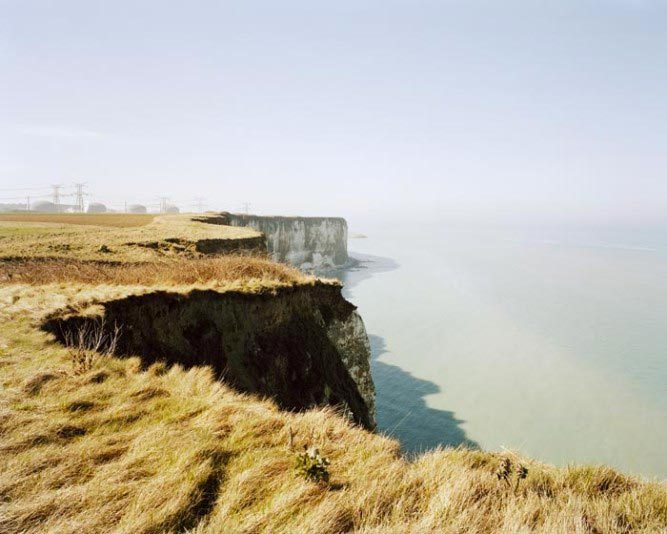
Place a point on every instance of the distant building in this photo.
(136, 208)
(44, 206)
(173, 209)
(12, 207)
(96, 207)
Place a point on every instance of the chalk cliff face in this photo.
(303, 346)
(306, 242)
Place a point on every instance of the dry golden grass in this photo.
(118, 449)
(118, 220)
(166, 236)
(221, 270)
(98, 444)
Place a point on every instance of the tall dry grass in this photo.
(231, 268)
(118, 449)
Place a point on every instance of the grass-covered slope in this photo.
(99, 443)
(112, 238)
(118, 448)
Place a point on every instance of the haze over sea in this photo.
(547, 340)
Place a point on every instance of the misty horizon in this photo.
(439, 110)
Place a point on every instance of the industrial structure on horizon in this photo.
(58, 198)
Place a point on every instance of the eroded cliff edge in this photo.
(306, 242)
(302, 345)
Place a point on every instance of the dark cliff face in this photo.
(303, 346)
(307, 242)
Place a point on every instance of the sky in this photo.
(553, 110)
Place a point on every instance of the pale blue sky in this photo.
(459, 108)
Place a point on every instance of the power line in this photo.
(12, 198)
(49, 195)
(199, 202)
(44, 188)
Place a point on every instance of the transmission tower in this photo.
(163, 204)
(199, 202)
(246, 207)
(56, 195)
(79, 194)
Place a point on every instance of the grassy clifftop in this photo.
(111, 237)
(91, 442)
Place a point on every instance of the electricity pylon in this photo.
(79, 194)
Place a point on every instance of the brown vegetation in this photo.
(218, 270)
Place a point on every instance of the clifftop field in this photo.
(118, 220)
(91, 441)
(110, 238)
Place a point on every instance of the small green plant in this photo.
(521, 473)
(504, 472)
(312, 465)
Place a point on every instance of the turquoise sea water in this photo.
(549, 341)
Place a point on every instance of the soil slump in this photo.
(285, 344)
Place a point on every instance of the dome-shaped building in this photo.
(173, 209)
(96, 207)
(137, 208)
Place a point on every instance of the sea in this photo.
(550, 341)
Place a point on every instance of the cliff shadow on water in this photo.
(402, 411)
(400, 401)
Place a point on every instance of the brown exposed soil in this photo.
(274, 344)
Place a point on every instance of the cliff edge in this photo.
(114, 417)
(303, 345)
(305, 242)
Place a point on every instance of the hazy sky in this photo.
(537, 108)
